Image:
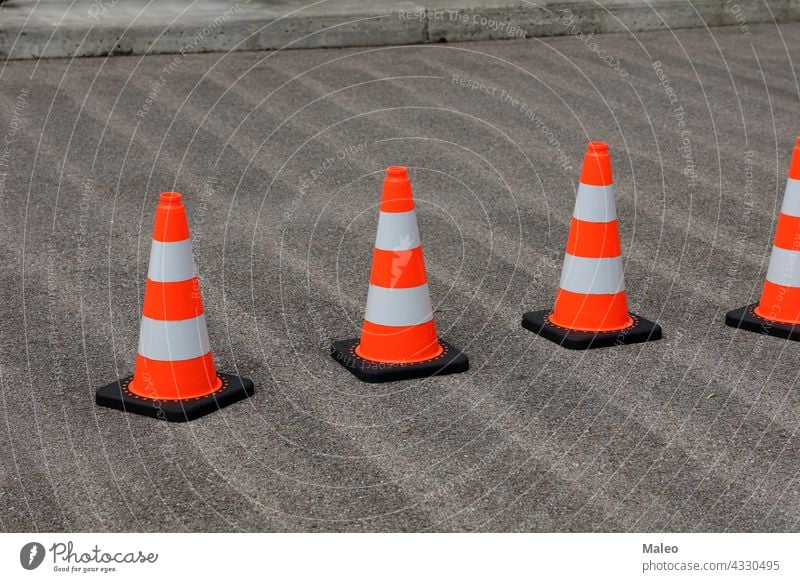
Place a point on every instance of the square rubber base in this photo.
(746, 318)
(642, 330)
(450, 361)
(117, 396)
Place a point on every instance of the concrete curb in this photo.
(30, 29)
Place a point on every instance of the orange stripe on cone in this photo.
(580, 311)
(593, 239)
(174, 380)
(398, 345)
(787, 233)
(398, 269)
(779, 303)
(172, 301)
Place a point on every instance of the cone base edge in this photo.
(450, 361)
(746, 318)
(642, 330)
(116, 397)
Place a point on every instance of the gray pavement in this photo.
(280, 158)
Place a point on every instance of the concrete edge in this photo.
(232, 28)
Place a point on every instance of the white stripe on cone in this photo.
(592, 276)
(397, 231)
(791, 198)
(399, 306)
(595, 203)
(173, 340)
(171, 261)
(784, 267)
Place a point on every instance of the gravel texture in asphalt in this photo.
(280, 157)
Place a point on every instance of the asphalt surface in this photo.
(696, 432)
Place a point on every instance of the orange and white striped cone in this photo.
(174, 376)
(778, 311)
(398, 337)
(591, 307)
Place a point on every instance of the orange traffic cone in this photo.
(778, 311)
(591, 308)
(174, 377)
(398, 337)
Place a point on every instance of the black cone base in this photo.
(642, 330)
(450, 361)
(746, 318)
(117, 396)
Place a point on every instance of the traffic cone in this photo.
(174, 376)
(591, 308)
(398, 337)
(778, 311)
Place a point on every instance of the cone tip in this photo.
(397, 196)
(397, 171)
(596, 169)
(798, 141)
(169, 197)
